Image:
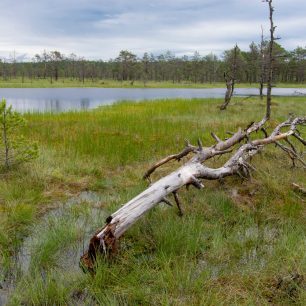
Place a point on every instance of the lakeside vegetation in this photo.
(108, 83)
(236, 243)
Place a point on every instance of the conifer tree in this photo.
(14, 148)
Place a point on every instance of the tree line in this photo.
(289, 66)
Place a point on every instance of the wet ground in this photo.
(73, 222)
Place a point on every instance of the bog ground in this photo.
(239, 242)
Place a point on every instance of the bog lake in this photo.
(77, 99)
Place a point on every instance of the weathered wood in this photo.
(270, 60)
(262, 64)
(299, 188)
(230, 79)
(192, 172)
(229, 82)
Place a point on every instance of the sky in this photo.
(99, 29)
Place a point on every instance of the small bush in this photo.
(14, 148)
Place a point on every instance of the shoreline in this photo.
(63, 83)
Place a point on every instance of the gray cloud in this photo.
(100, 28)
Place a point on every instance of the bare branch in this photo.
(178, 203)
(203, 154)
(297, 136)
(292, 154)
(214, 136)
(192, 172)
(299, 188)
(188, 149)
(166, 201)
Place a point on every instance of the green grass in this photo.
(232, 247)
(66, 82)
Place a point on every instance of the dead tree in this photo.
(262, 64)
(193, 172)
(229, 82)
(270, 59)
(230, 78)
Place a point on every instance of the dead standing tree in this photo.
(230, 78)
(194, 171)
(262, 65)
(271, 59)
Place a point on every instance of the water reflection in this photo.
(85, 103)
(66, 99)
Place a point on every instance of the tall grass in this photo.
(108, 83)
(236, 241)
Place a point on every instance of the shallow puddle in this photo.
(58, 239)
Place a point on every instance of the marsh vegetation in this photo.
(109, 83)
(242, 242)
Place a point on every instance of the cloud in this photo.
(100, 28)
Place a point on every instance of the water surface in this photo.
(75, 99)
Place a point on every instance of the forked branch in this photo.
(191, 172)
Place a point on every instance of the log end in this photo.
(87, 264)
(105, 246)
(88, 259)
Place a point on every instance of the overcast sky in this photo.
(99, 29)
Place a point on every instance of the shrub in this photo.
(14, 148)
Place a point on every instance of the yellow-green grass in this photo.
(108, 83)
(235, 243)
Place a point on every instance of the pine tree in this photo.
(14, 148)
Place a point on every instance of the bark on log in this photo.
(192, 172)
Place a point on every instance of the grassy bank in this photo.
(238, 242)
(65, 83)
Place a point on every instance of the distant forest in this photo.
(289, 66)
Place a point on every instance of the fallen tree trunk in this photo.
(191, 173)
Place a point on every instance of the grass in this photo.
(67, 82)
(234, 245)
